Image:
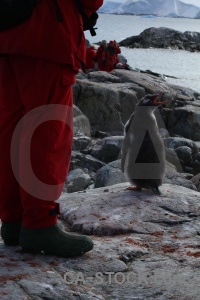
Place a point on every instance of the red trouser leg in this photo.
(40, 85)
(11, 110)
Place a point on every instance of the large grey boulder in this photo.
(115, 210)
(108, 100)
(145, 247)
(150, 83)
(107, 106)
(112, 174)
(185, 121)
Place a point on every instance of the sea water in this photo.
(183, 65)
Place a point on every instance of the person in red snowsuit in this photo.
(110, 57)
(39, 60)
(117, 51)
(90, 58)
(101, 56)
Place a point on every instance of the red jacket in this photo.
(101, 55)
(90, 56)
(43, 37)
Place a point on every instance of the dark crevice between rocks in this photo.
(29, 297)
(131, 256)
(182, 214)
(169, 222)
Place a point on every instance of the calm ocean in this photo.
(182, 64)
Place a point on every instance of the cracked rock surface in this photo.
(146, 247)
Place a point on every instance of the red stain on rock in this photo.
(157, 233)
(194, 254)
(169, 249)
(136, 243)
(147, 201)
(4, 293)
(4, 279)
(53, 263)
(9, 264)
(34, 264)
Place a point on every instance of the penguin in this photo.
(143, 151)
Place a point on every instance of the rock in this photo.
(172, 158)
(108, 100)
(111, 213)
(184, 154)
(196, 181)
(171, 176)
(103, 77)
(144, 245)
(101, 134)
(185, 121)
(107, 106)
(176, 142)
(81, 142)
(164, 133)
(80, 160)
(198, 157)
(112, 174)
(149, 83)
(164, 38)
(107, 149)
(109, 175)
(81, 123)
(77, 180)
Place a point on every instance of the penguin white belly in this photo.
(143, 155)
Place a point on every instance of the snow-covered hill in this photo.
(109, 6)
(170, 8)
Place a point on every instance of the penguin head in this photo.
(152, 100)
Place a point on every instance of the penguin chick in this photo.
(143, 152)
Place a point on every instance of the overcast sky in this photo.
(195, 2)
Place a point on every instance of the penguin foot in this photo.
(134, 188)
(156, 190)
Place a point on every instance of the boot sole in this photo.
(11, 242)
(37, 251)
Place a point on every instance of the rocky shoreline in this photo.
(164, 38)
(105, 102)
(145, 246)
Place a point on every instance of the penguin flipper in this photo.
(156, 190)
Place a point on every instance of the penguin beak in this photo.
(156, 102)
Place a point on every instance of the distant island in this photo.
(164, 38)
(162, 8)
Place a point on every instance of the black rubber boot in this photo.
(10, 232)
(53, 240)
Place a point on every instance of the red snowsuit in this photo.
(117, 51)
(38, 63)
(101, 57)
(110, 58)
(90, 56)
